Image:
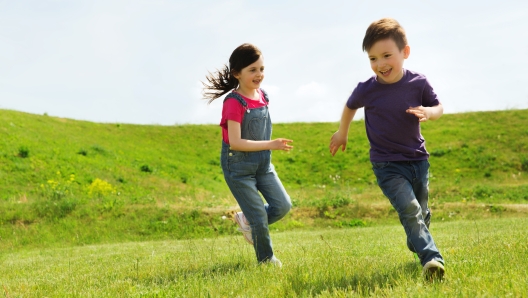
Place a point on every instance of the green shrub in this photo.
(184, 178)
(23, 152)
(98, 149)
(439, 152)
(111, 204)
(335, 202)
(357, 223)
(146, 169)
(482, 192)
(496, 208)
(55, 208)
(524, 163)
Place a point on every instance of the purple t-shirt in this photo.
(394, 135)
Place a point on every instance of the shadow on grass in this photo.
(198, 272)
(363, 284)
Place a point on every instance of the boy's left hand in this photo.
(422, 113)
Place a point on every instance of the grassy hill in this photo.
(77, 182)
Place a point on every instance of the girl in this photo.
(246, 147)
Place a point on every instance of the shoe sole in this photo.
(248, 237)
(434, 270)
(243, 227)
(245, 232)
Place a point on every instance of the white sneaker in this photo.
(244, 227)
(434, 270)
(275, 262)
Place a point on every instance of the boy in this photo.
(395, 101)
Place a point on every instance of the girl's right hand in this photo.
(281, 144)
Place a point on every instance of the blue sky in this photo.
(142, 61)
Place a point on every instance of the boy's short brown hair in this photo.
(383, 29)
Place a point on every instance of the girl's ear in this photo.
(406, 51)
(235, 74)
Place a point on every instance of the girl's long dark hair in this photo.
(223, 80)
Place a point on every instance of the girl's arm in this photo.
(239, 144)
(340, 137)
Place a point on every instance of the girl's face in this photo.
(250, 77)
(386, 60)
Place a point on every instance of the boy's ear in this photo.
(406, 51)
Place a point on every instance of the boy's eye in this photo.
(372, 59)
(387, 56)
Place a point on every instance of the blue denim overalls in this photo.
(248, 173)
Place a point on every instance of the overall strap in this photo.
(237, 97)
(241, 100)
(265, 95)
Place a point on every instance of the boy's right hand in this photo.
(338, 140)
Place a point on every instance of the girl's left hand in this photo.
(282, 144)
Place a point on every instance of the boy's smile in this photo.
(386, 60)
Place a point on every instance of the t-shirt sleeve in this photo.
(429, 97)
(232, 110)
(355, 102)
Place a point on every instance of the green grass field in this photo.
(92, 209)
(484, 258)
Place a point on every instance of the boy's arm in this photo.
(427, 113)
(237, 143)
(340, 137)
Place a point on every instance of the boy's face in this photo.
(386, 60)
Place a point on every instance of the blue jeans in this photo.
(247, 174)
(406, 185)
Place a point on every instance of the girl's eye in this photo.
(387, 56)
(372, 59)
